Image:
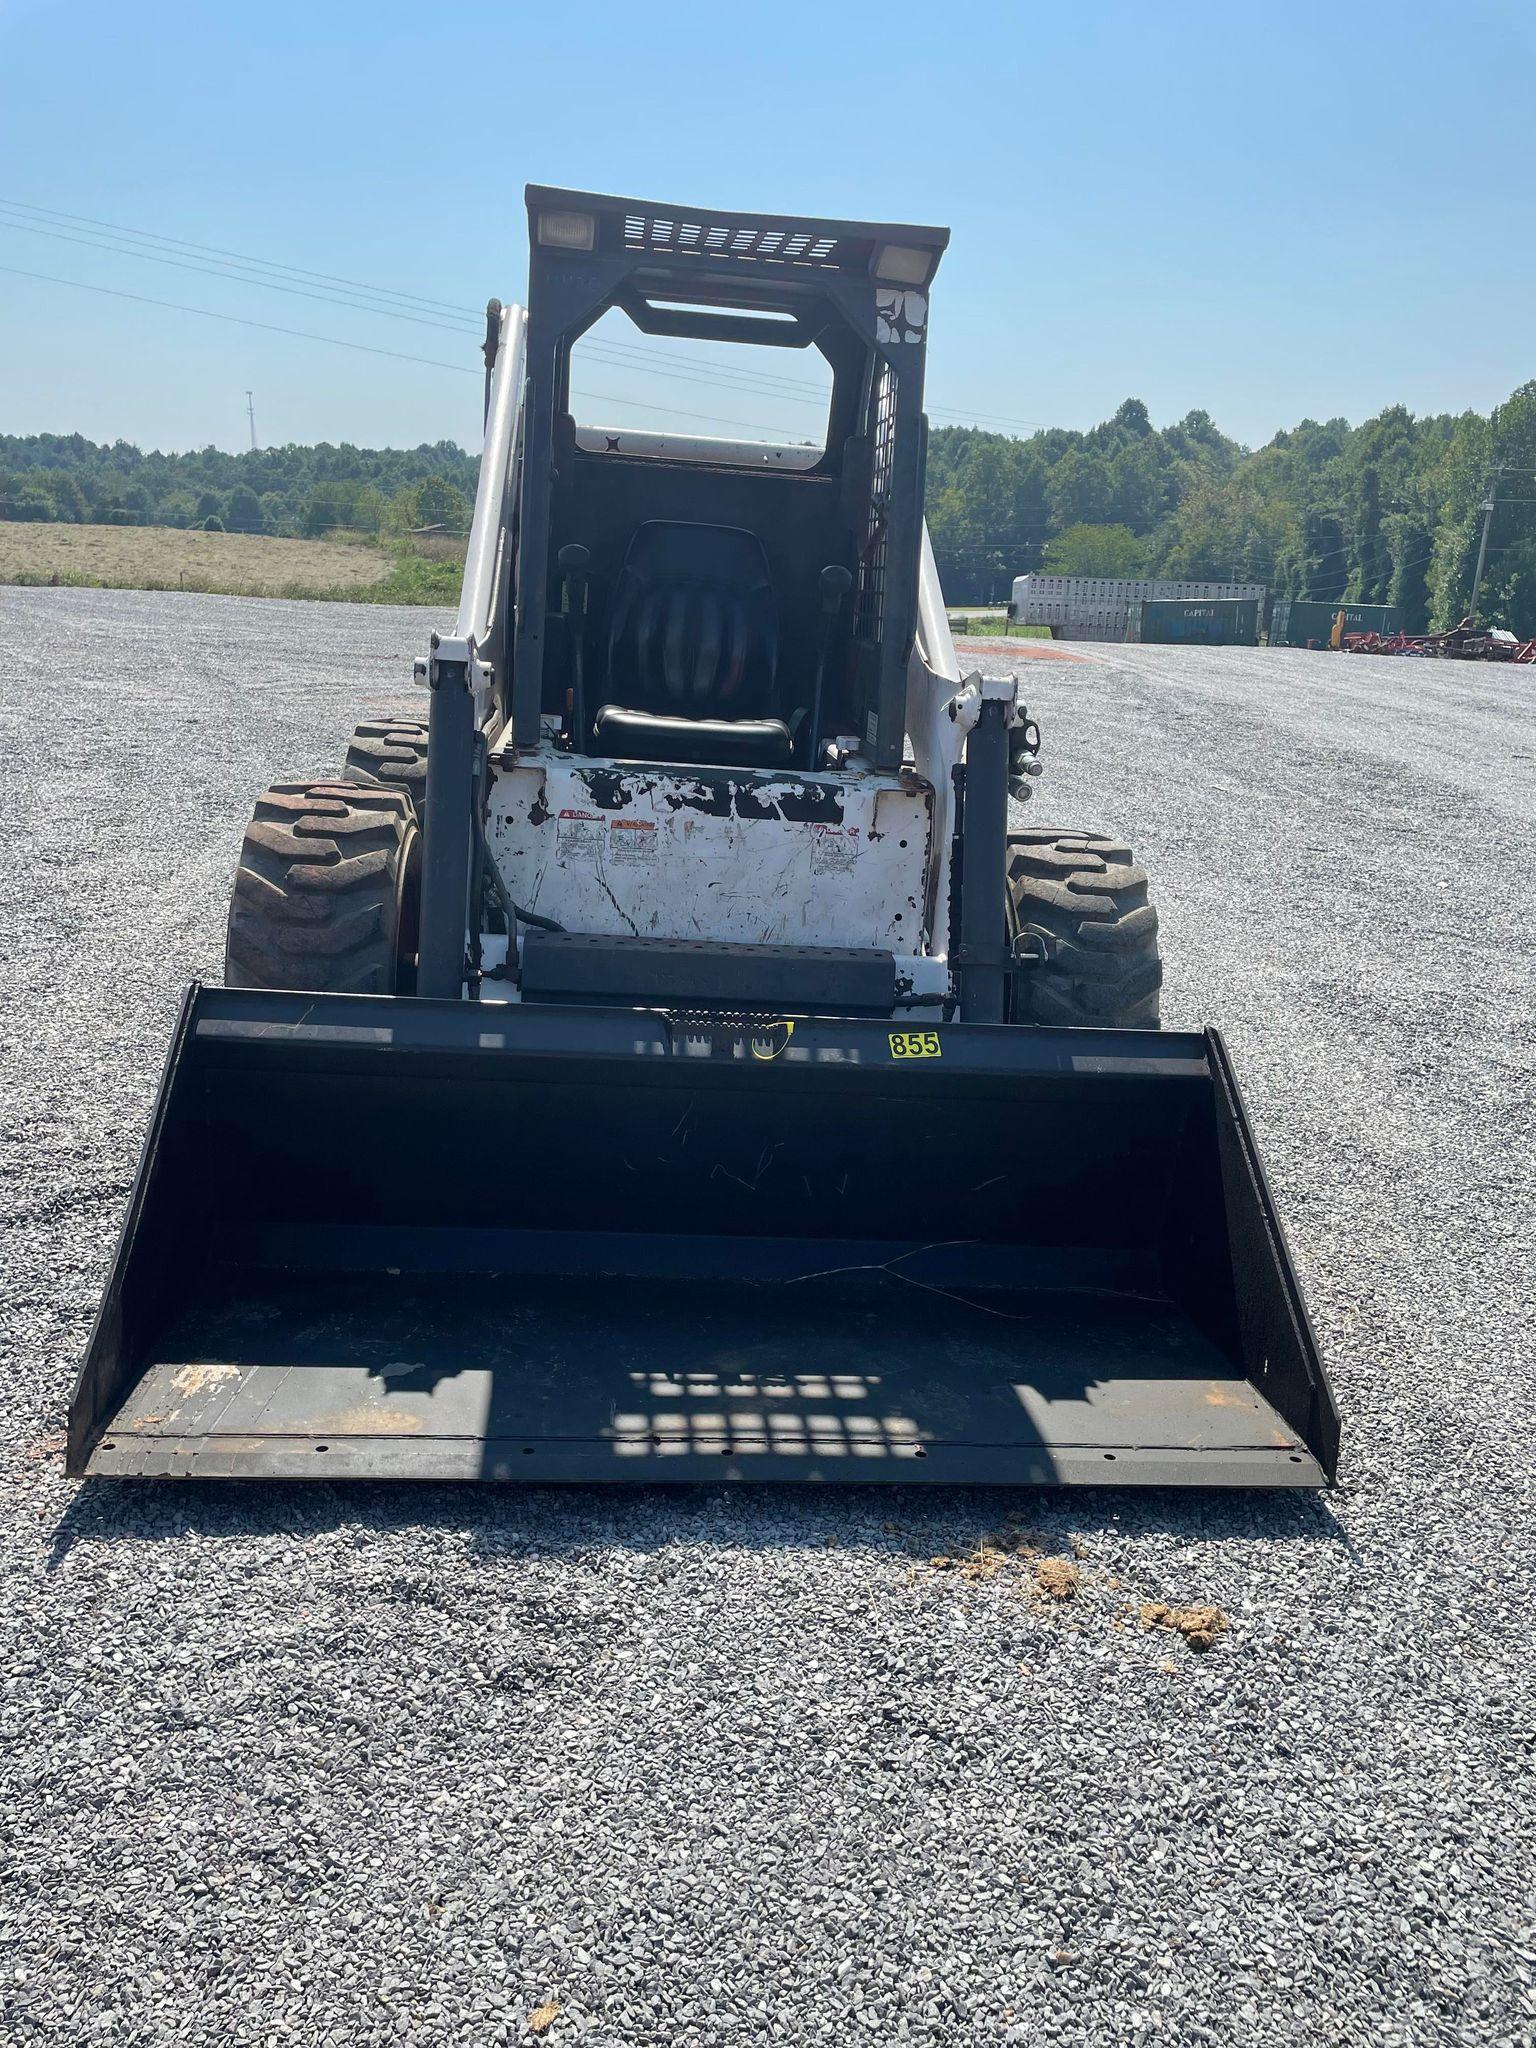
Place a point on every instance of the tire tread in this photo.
(316, 900)
(1083, 895)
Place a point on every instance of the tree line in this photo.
(1389, 512)
(291, 490)
(1386, 512)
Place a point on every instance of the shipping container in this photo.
(1308, 622)
(1191, 621)
(1108, 607)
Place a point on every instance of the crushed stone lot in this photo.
(355, 1766)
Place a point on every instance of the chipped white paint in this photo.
(900, 316)
(727, 855)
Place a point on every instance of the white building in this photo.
(1105, 607)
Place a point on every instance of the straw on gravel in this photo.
(1056, 1578)
(1199, 1626)
(368, 1767)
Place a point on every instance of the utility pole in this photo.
(250, 413)
(1482, 546)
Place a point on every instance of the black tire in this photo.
(390, 752)
(1083, 901)
(326, 893)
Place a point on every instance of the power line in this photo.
(710, 418)
(654, 369)
(231, 275)
(965, 416)
(460, 318)
(795, 391)
(237, 320)
(619, 354)
(207, 249)
(646, 356)
(365, 348)
(466, 323)
(603, 352)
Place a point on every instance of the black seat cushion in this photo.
(724, 742)
(693, 631)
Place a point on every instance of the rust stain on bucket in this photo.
(365, 1421)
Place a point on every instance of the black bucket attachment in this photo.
(376, 1237)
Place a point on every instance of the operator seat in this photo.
(693, 649)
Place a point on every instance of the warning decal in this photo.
(834, 849)
(579, 835)
(631, 841)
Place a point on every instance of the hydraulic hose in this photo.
(513, 912)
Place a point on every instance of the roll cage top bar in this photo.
(855, 290)
(597, 225)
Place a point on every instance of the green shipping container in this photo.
(1200, 621)
(1300, 621)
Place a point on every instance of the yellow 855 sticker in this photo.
(916, 1045)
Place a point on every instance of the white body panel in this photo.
(738, 856)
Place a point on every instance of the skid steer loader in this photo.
(656, 1058)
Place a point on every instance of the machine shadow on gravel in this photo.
(566, 1521)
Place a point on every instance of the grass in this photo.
(994, 626)
(413, 579)
(229, 564)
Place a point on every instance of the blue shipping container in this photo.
(1200, 621)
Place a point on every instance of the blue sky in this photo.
(1268, 212)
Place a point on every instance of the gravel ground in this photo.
(313, 1765)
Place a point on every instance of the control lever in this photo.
(574, 561)
(836, 582)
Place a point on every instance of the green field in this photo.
(230, 564)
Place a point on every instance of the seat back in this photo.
(693, 630)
